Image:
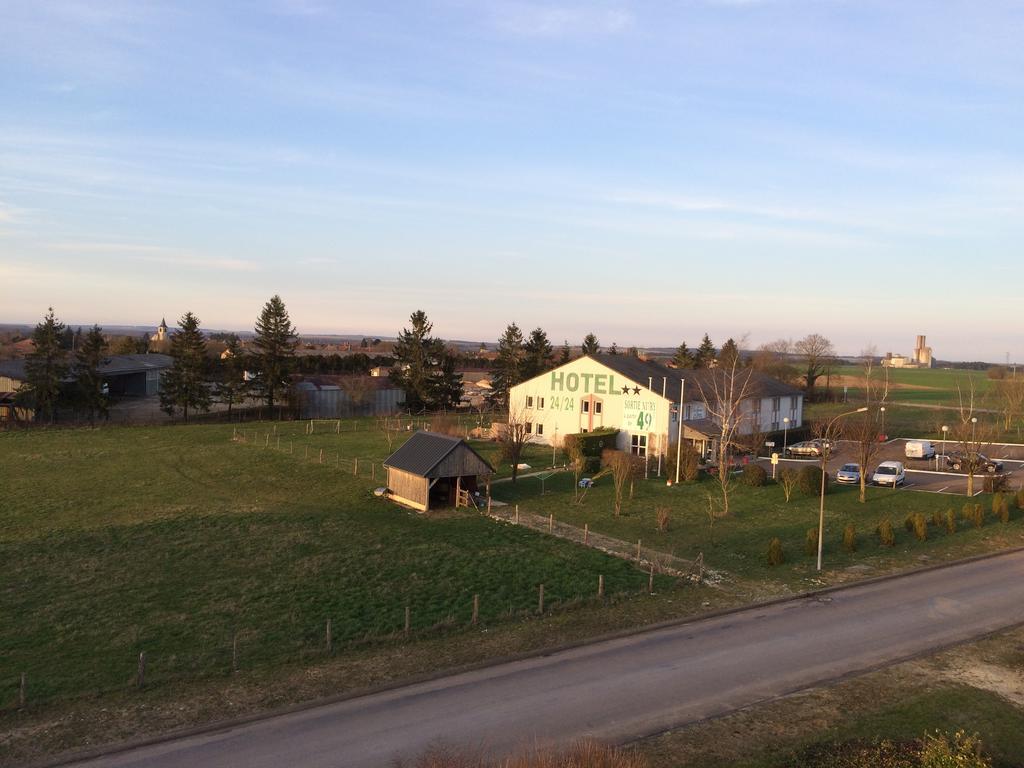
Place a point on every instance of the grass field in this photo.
(176, 540)
(738, 544)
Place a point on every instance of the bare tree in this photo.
(815, 352)
(788, 479)
(972, 434)
(513, 437)
(577, 461)
(621, 465)
(1008, 396)
(775, 359)
(384, 427)
(723, 392)
(864, 429)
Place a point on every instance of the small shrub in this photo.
(809, 481)
(937, 519)
(959, 751)
(909, 523)
(1004, 512)
(775, 554)
(1018, 499)
(920, 527)
(997, 502)
(978, 516)
(967, 512)
(811, 541)
(886, 534)
(950, 521)
(662, 518)
(850, 538)
(754, 475)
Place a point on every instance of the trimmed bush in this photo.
(1018, 499)
(850, 538)
(811, 541)
(754, 475)
(809, 481)
(950, 521)
(920, 527)
(978, 516)
(886, 534)
(661, 515)
(997, 502)
(937, 519)
(967, 512)
(775, 554)
(909, 523)
(1004, 512)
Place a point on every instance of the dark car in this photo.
(957, 460)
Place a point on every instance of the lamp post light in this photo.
(882, 410)
(826, 447)
(785, 434)
(945, 429)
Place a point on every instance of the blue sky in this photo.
(648, 171)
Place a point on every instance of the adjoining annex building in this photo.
(430, 470)
(641, 399)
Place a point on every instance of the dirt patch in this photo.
(1000, 680)
(858, 381)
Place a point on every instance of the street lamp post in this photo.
(826, 447)
(882, 410)
(785, 434)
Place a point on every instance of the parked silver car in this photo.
(809, 448)
(848, 474)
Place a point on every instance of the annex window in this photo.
(540, 429)
(585, 406)
(638, 445)
(597, 407)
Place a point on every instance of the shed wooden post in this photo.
(140, 675)
(408, 620)
(600, 585)
(476, 609)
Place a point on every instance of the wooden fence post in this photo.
(355, 467)
(540, 599)
(476, 609)
(140, 677)
(329, 644)
(337, 428)
(279, 442)
(586, 533)
(321, 455)
(638, 550)
(305, 455)
(373, 471)
(517, 514)
(488, 505)
(408, 620)
(551, 522)
(266, 443)
(600, 585)
(22, 690)
(234, 653)
(650, 581)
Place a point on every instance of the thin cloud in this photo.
(557, 21)
(155, 254)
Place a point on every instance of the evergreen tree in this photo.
(539, 354)
(90, 351)
(418, 356)
(446, 385)
(613, 349)
(45, 367)
(231, 386)
(590, 346)
(730, 354)
(276, 341)
(77, 339)
(184, 387)
(684, 357)
(633, 352)
(705, 355)
(508, 367)
(566, 355)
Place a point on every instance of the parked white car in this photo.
(919, 449)
(889, 473)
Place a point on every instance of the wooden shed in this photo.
(430, 469)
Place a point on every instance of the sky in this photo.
(648, 171)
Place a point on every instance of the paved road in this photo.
(629, 687)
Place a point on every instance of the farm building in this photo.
(340, 396)
(429, 470)
(641, 399)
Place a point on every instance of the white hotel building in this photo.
(641, 400)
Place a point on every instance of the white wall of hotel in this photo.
(584, 395)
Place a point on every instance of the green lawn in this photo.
(739, 543)
(175, 540)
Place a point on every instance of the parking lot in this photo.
(922, 474)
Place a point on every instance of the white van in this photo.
(919, 449)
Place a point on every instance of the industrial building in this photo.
(642, 400)
(922, 357)
(345, 396)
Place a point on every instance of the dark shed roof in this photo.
(425, 450)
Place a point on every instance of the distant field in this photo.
(934, 386)
(175, 540)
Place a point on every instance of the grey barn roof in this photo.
(425, 450)
(112, 365)
(697, 380)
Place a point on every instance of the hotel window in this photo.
(529, 428)
(540, 403)
(597, 407)
(540, 429)
(638, 445)
(529, 401)
(585, 407)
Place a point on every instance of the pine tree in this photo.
(729, 354)
(45, 367)
(566, 354)
(508, 367)
(705, 355)
(539, 354)
(613, 349)
(590, 346)
(91, 349)
(184, 387)
(446, 385)
(231, 386)
(418, 355)
(276, 341)
(683, 357)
